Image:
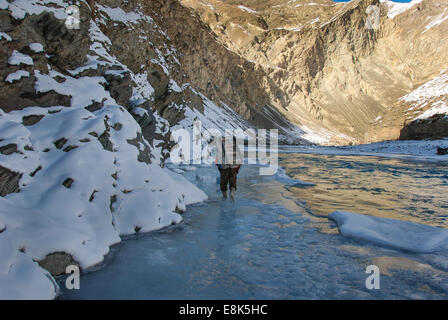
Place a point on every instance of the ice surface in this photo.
(410, 147)
(177, 170)
(416, 150)
(282, 177)
(262, 246)
(398, 234)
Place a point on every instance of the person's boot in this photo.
(232, 193)
(224, 194)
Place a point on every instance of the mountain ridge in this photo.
(340, 66)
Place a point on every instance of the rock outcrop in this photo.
(434, 127)
(9, 181)
(57, 263)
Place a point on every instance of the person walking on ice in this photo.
(229, 166)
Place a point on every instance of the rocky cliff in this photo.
(334, 77)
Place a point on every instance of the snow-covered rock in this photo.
(50, 215)
(22, 278)
(87, 173)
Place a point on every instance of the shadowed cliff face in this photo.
(185, 50)
(160, 58)
(435, 127)
(334, 75)
(221, 74)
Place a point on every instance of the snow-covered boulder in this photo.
(77, 169)
(403, 235)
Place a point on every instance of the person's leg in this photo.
(224, 181)
(232, 180)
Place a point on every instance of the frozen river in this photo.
(276, 242)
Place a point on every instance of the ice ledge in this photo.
(402, 235)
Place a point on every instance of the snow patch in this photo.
(37, 47)
(16, 76)
(143, 89)
(119, 15)
(435, 88)
(397, 8)
(425, 95)
(439, 108)
(18, 58)
(84, 90)
(438, 20)
(247, 9)
(5, 36)
(21, 8)
(174, 86)
(402, 235)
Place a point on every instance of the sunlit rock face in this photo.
(333, 76)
